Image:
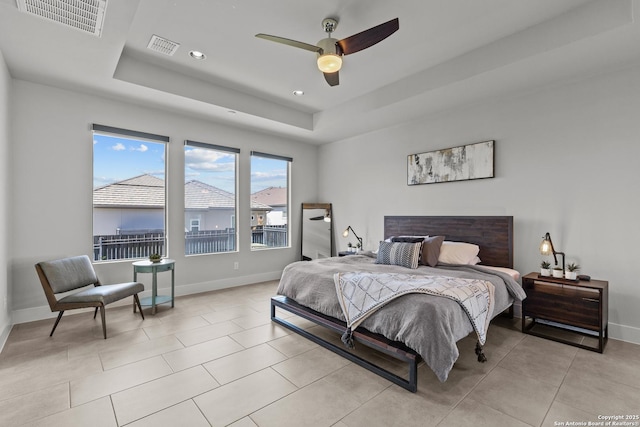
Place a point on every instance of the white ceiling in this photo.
(447, 53)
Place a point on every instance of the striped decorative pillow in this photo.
(396, 253)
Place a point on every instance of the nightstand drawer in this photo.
(580, 311)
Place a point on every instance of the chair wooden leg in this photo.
(95, 313)
(56, 324)
(136, 301)
(104, 322)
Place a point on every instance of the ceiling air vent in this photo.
(162, 45)
(84, 15)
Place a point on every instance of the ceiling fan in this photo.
(330, 50)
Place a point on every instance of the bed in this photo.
(307, 289)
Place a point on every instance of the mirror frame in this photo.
(326, 207)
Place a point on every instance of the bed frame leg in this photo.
(480, 353)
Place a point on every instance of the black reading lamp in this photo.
(345, 233)
(546, 248)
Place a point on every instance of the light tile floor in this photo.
(216, 359)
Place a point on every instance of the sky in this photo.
(116, 159)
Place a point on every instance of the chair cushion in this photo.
(69, 273)
(105, 294)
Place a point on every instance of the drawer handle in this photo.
(591, 299)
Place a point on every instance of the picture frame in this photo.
(462, 163)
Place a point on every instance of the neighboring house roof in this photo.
(272, 196)
(199, 195)
(147, 191)
(143, 191)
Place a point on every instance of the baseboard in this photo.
(624, 333)
(4, 334)
(44, 312)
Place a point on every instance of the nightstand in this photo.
(574, 305)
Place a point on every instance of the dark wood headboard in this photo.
(494, 234)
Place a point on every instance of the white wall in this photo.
(5, 188)
(566, 162)
(52, 191)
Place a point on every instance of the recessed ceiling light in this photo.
(196, 54)
(298, 92)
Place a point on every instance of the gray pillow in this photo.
(407, 239)
(431, 250)
(398, 253)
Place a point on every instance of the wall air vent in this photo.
(84, 15)
(162, 45)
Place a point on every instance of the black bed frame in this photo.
(494, 235)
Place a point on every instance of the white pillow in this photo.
(458, 253)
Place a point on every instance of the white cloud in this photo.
(200, 159)
(118, 147)
(263, 176)
(141, 149)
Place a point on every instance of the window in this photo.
(269, 200)
(129, 211)
(209, 198)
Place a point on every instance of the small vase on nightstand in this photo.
(544, 268)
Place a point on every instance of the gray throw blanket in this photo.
(361, 294)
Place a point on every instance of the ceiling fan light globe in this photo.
(329, 63)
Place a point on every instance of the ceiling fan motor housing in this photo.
(329, 46)
(329, 58)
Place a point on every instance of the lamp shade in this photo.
(546, 248)
(329, 63)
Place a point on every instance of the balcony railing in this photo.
(141, 245)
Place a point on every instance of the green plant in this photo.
(350, 245)
(545, 264)
(155, 257)
(573, 266)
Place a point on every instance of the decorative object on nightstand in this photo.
(580, 308)
(544, 268)
(572, 271)
(155, 257)
(546, 248)
(557, 272)
(345, 233)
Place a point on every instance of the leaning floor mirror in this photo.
(317, 231)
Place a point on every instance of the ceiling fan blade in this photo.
(289, 42)
(368, 38)
(332, 78)
(317, 218)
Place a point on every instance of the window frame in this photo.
(138, 136)
(233, 225)
(289, 163)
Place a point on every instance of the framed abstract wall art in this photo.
(473, 161)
